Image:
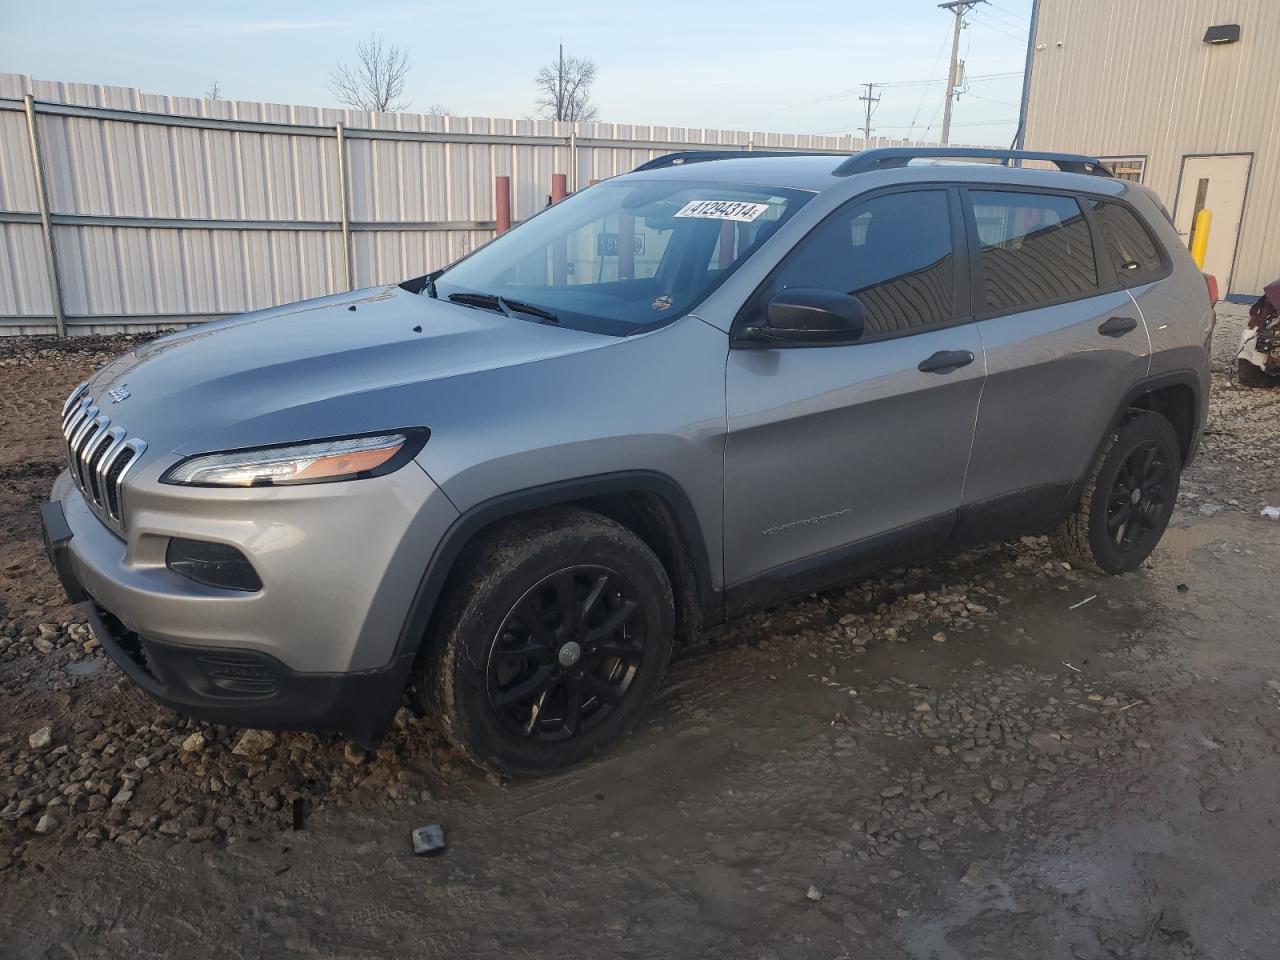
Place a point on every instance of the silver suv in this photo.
(514, 485)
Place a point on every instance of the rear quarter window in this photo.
(1133, 251)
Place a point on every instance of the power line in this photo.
(1012, 14)
(992, 25)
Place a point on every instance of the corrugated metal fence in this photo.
(128, 211)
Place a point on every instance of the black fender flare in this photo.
(482, 515)
(1171, 378)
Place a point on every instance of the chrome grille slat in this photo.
(87, 446)
(99, 455)
(98, 478)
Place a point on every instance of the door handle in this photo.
(945, 361)
(1117, 326)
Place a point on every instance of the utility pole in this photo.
(870, 101)
(959, 8)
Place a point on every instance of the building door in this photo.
(1217, 184)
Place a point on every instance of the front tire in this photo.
(1127, 500)
(554, 639)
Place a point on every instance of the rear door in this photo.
(1064, 342)
(838, 452)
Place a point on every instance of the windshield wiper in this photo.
(491, 301)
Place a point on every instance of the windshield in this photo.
(621, 258)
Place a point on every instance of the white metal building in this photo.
(1181, 95)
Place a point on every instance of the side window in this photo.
(1132, 249)
(892, 252)
(1035, 249)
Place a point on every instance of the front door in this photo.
(835, 452)
(1216, 184)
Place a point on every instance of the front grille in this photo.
(99, 454)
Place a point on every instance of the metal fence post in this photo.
(343, 202)
(573, 159)
(42, 198)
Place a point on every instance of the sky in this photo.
(793, 68)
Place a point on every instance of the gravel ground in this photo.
(989, 756)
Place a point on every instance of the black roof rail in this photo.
(698, 156)
(883, 158)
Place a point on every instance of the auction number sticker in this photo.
(738, 210)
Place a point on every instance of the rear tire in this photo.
(1127, 499)
(554, 639)
(1247, 375)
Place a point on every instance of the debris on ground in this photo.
(428, 841)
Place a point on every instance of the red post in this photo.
(502, 203)
(592, 183)
(559, 249)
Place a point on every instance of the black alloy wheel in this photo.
(1138, 504)
(552, 641)
(566, 654)
(1127, 497)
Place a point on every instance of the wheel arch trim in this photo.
(1172, 378)
(475, 519)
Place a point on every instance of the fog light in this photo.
(213, 564)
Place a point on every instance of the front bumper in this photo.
(315, 648)
(243, 688)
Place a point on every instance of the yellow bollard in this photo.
(1200, 236)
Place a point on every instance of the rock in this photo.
(1213, 799)
(893, 790)
(47, 824)
(42, 645)
(1046, 743)
(922, 707)
(979, 875)
(122, 797)
(42, 739)
(403, 719)
(47, 631)
(194, 743)
(254, 743)
(353, 754)
(939, 637)
(813, 893)
(202, 834)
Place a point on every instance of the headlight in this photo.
(319, 461)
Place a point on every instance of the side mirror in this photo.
(810, 315)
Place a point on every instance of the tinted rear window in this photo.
(1132, 249)
(1036, 249)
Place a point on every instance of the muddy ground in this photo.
(988, 757)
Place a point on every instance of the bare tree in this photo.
(214, 92)
(376, 80)
(564, 89)
(439, 110)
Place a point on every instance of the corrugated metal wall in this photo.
(1135, 78)
(172, 210)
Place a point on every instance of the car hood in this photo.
(341, 364)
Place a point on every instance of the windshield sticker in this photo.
(661, 303)
(738, 210)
